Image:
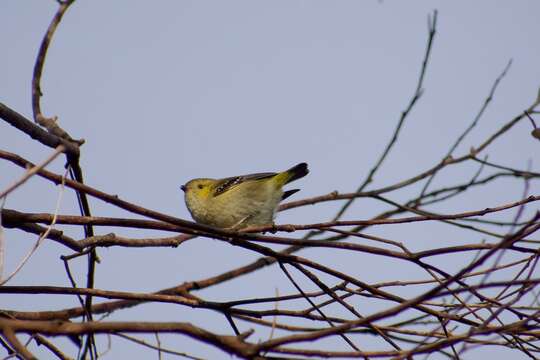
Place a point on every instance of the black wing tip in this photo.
(298, 171)
(288, 193)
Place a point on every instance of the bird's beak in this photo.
(183, 187)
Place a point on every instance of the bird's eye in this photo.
(200, 186)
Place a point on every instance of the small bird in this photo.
(240, 201)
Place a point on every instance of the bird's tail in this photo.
(294, 173)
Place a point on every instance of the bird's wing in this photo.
(226, 184)
(288, 193)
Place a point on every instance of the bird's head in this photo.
(198, 188)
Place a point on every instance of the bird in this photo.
(239, 202)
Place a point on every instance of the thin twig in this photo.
(432, 26)
(31, 172)
(483, 108)
(40, 238)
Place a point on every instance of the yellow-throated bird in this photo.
(240, 201)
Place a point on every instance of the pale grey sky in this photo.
(166, 91)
